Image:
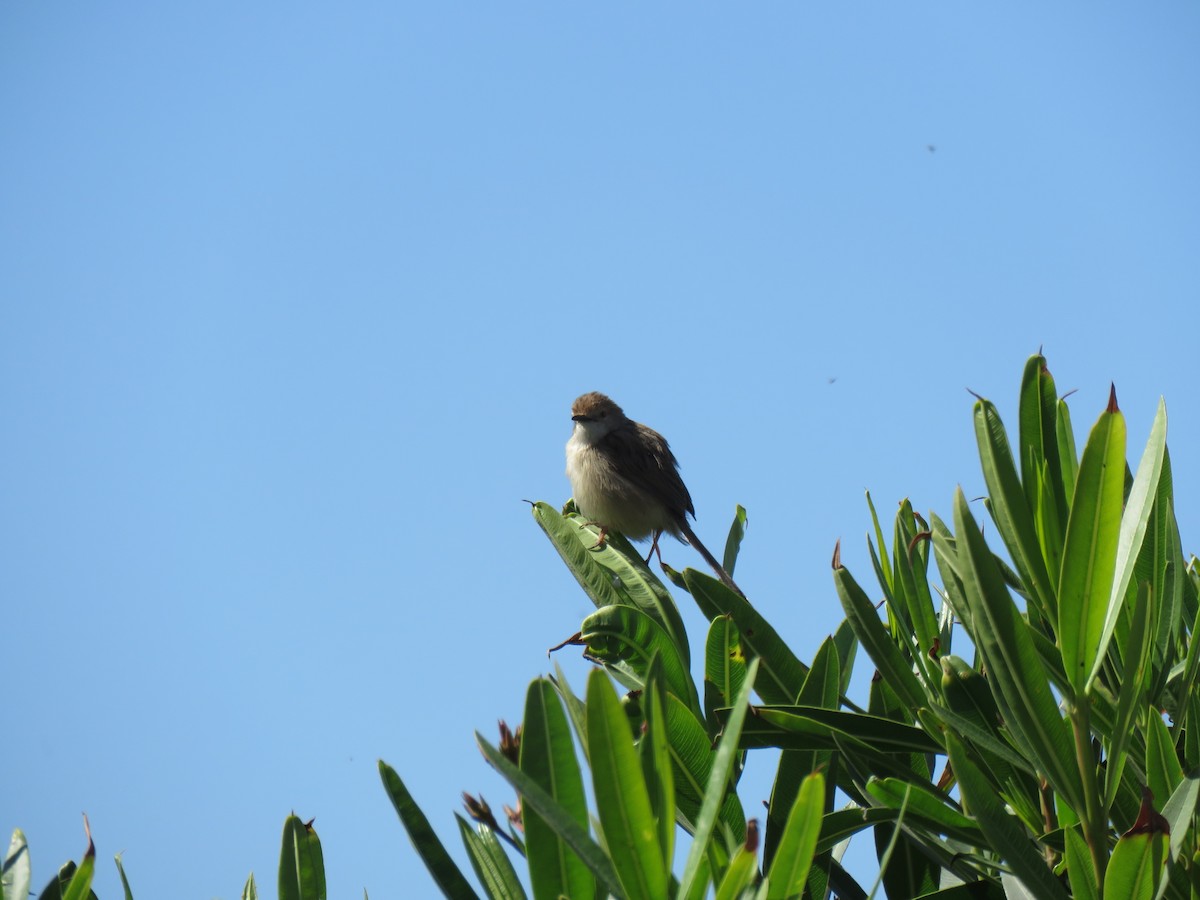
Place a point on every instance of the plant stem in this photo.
(1094, 819)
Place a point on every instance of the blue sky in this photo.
(294, 300)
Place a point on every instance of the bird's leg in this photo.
(654, 548)
(599, 545)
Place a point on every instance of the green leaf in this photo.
(1133, 523)
(1079, 866)
(912, 594)
(576, 711)
(17, 874)
(880, 646)
(1039, 438)
(733, 543)
(622, 801)
(1090, 553)
(301, 866)
(822, 688)
(783, 673)
(655, 751)
(1019, 680)
(718, 781)
(623, 634)
(923, 806)
(250, 890)
(548, 758)
(1005, 833)
(614, 574)
(743, 867)
(1131, 699)
(881, 559)
(973, 715)
(490, 862)
(1163, 772)
(1178, 812)
(1010, 510)
(820, 728)
(124, 880)
(80, 885)
(846, 642)
(724, 662)
(445, 872)
(692, 756)
(1067, 457)
(789, 869)
(563, 822)
(1137, 862)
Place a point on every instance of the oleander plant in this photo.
(1056, 754)
(1032, 728)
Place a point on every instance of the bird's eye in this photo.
(603, 414)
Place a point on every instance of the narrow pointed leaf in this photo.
(491, 863)
(17, 873)
(1163, 772)
(1079, 867)
(692, 757)
(548, 757)
(1138, 861)
(124, 880)
(826, 726)
(789, 869)
(1039, 438)
(80, 885)
(444, 870)
(718, 780)
(562, 821)
(1133, 522)
(1019, 680)
(881, 563)
(655, 753)
(782, 672)
(1005, 833)
(876, 640)
(1090, 553)
(1178, 812)
(1131, 699)
(739, 875)
(1012, 514)
(301, 865)
(1068, 459)
(733, 543)
(622, 801)
(921, 806)
(822, 688)
(724, 660)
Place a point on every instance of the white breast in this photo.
(604, 497)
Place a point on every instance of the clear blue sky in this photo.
(294, 300)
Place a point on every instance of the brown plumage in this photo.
(625, 478)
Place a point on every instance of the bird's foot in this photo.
(600, 541)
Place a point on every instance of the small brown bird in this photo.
(625, 478)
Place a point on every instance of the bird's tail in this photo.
(709, 558)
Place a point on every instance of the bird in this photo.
(625, 478)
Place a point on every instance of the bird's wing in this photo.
(647, 461)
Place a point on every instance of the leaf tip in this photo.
(1112, 398)
(1149, 820)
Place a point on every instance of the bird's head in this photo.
(595, 415)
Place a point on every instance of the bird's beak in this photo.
(581, 418)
